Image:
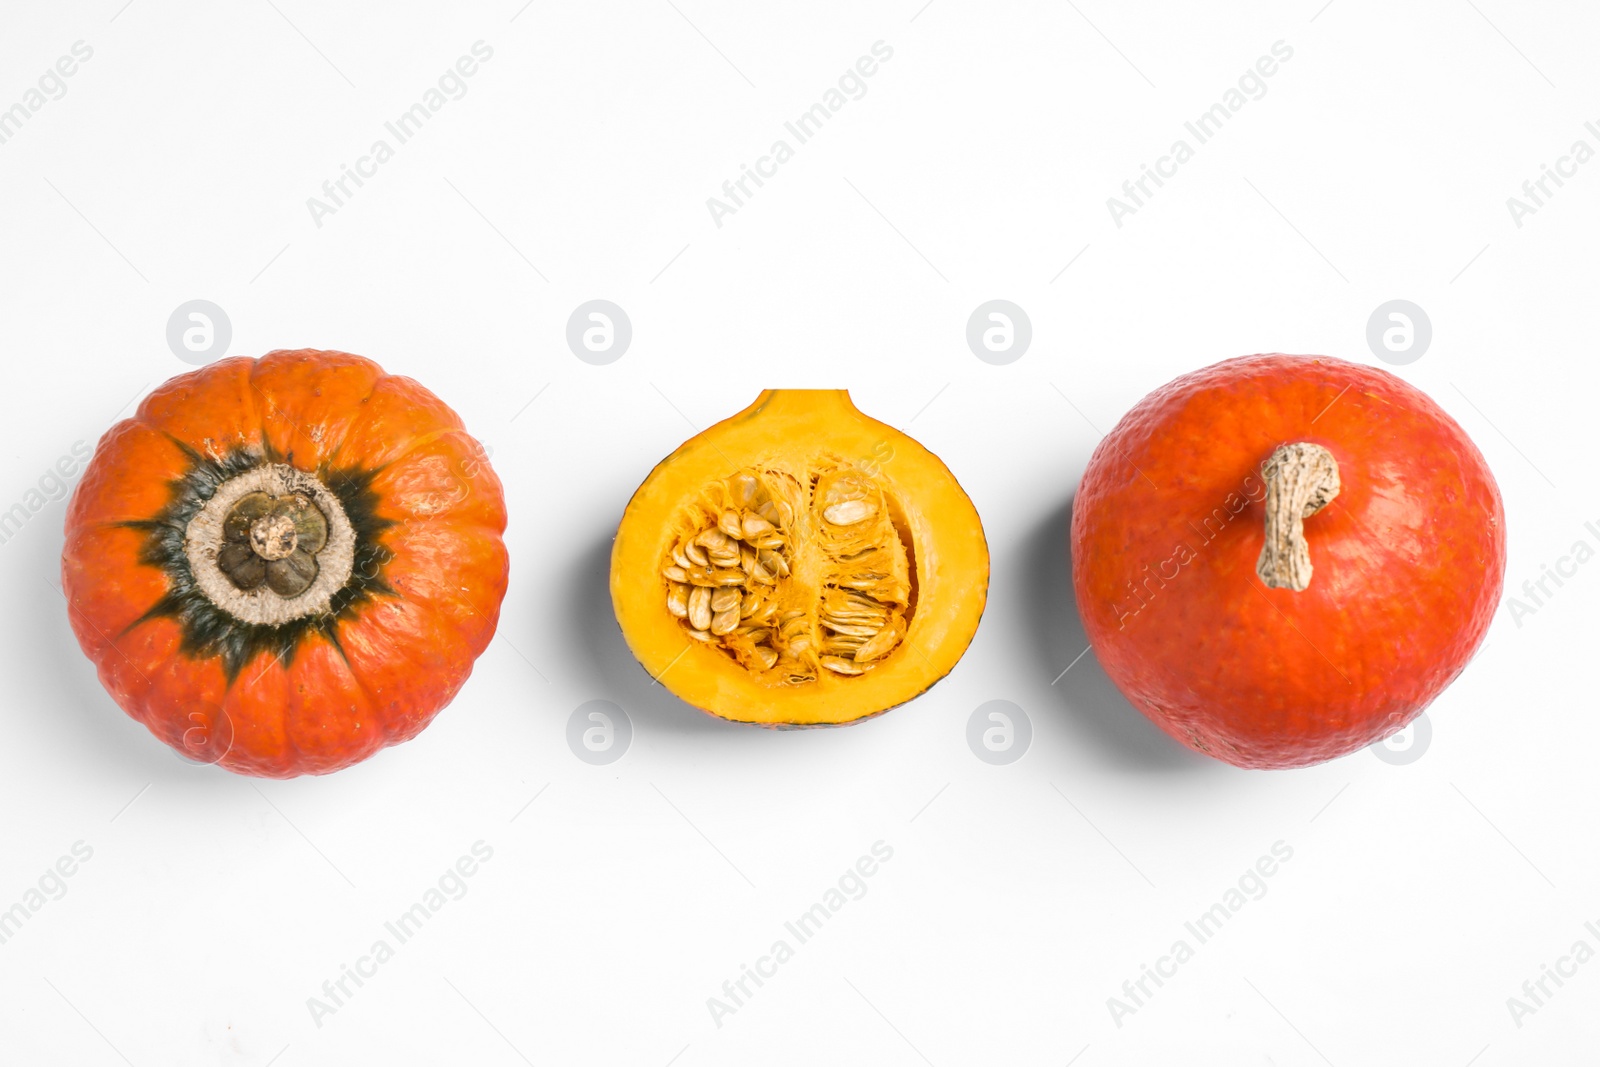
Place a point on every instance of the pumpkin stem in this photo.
(1302, 479)
(273, 544)
(273, 540)
(273, 536)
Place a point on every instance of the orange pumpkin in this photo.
(282, 565)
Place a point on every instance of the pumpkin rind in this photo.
(789, 429)
(327, 689)
(1167, 529)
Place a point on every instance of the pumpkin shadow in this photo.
(1096, 709)
(622, 677)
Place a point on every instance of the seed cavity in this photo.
(792, 573)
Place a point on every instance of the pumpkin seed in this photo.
(849, 512)
(743, 489)
(862, 632)
(882, 644)
(711, 539)
(700, 608)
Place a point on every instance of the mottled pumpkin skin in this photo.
(399, 640)
(1168, 524)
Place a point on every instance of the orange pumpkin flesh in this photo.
(282, 565)
(799, 564)
(1376, 585)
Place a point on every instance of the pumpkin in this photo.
(281, 565)
(799, 564)
(1280, 559)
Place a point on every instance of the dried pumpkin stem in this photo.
(1302, 479)
(274, 540)
(273, 536)
(272, 544)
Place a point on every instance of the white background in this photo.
(1420, 896)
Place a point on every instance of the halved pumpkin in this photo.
(799, 564)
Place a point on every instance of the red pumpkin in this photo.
(282, 565)
(1282, 559)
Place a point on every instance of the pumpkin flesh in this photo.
(859, 563)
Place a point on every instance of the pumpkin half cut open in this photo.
(799, 564)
